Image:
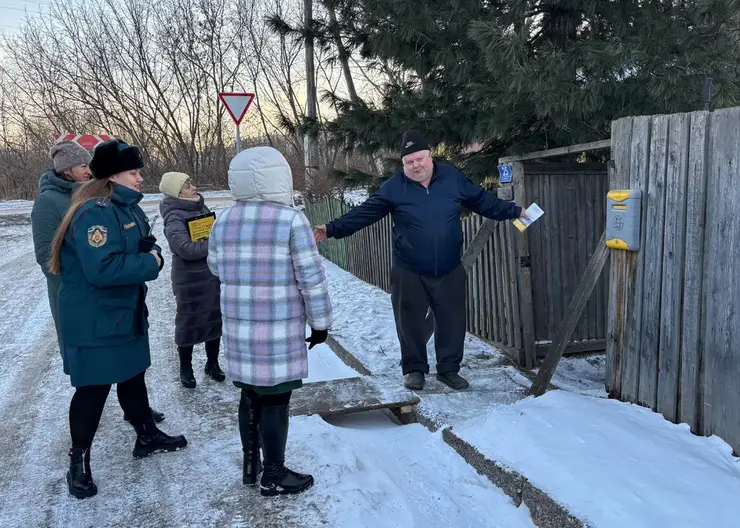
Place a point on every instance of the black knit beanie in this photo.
(113, 157)
(412, 142)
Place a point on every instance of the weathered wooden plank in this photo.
(560, 151)
(619, 167)
(540, 284)
(653, 261)
(364, 393)
(511, 263)
(581, 250)
(674, 232)
(473, 281)
(489, 296)
(575, 309)
(721, 296)
(634, 262)
(564, 216)
(478, 243)
(468, 284)
(388, 251)
(524, 274)
(496, 289)
(602, 288)
(480, 287)
(691, 353)
(590, 185)
(553, 257)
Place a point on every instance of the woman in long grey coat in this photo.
(197, 291)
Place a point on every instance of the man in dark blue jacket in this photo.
(425, 201)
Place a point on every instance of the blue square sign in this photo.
(504, 173)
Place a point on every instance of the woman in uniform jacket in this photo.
(196, 290)
(105, 254)
(272, 285)
(70, 170)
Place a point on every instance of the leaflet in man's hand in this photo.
(534, 213)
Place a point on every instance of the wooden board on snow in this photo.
(350, 395)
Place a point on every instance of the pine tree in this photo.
(524, 75)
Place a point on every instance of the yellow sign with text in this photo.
(200, 226)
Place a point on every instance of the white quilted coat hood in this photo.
(261, 174)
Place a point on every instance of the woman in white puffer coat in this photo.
(272, 284)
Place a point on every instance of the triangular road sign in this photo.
(237, 104)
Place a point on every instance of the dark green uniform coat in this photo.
(101, 304)
(48, 210)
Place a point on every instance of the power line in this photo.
(17, 9)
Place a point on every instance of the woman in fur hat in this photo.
(70, 169)
(196, 290)
(105, 254)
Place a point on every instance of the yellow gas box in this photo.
(623, 214)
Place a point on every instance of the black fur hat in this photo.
(113, 157)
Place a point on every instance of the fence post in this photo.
(522, 252)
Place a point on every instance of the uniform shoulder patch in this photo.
(97, 236)
(103, 201)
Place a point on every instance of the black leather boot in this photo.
(276, 478)
(79, 477)
(212, 367)
(150, 440)
(187, 378)
(249, 415)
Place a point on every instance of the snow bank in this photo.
(584, 375)
(610, 463)
(373, 473)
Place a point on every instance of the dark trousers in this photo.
(412, 295)
(212, 348)
(88, 402)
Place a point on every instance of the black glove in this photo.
(317, 337)
(161, 261)
(146, 244)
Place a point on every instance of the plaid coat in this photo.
(272, 278)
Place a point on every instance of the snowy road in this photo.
(369, 472)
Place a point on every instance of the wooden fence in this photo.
(573, 196)
(520, 286)
(674, 310)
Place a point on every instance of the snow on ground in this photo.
(612, 464)
(369, 472)
(583, 374)
(370, 334)
(364, 325)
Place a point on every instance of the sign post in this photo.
(237, 105)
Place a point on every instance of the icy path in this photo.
(369, 472)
